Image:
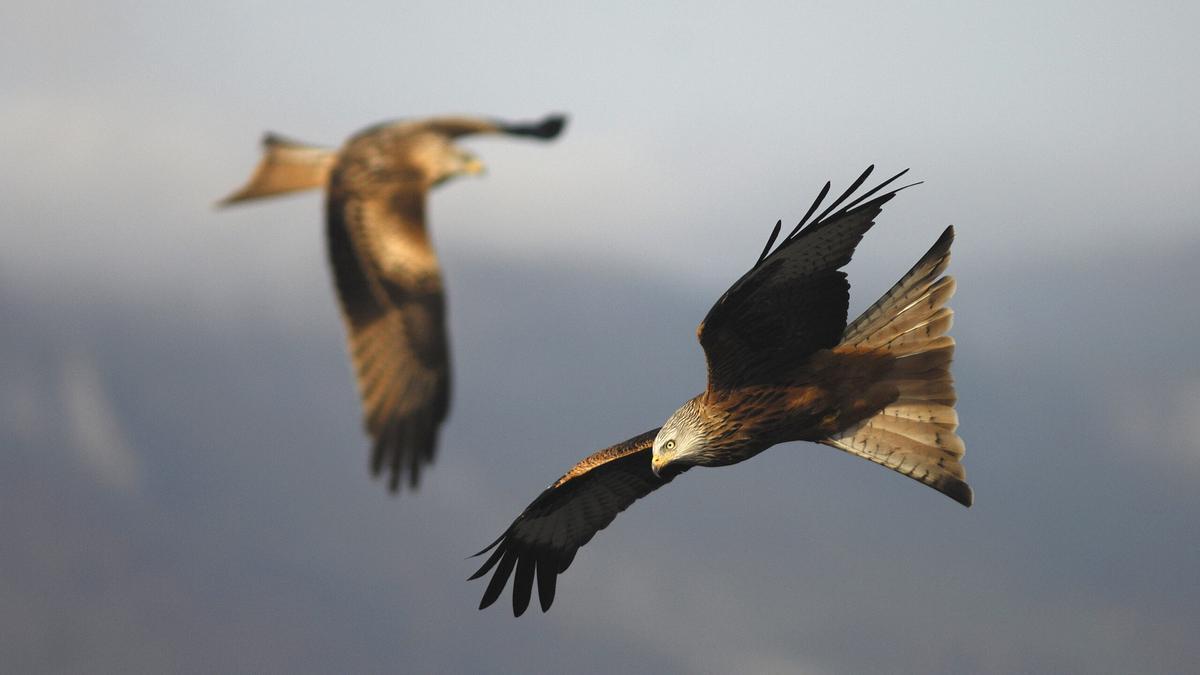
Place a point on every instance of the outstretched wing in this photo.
(543, 540)
(453, 127)
(793, 301)
(456, 126)
(390, 288)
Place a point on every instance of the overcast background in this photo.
(183, 478)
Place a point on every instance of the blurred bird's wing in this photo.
(453, 127)
(543, 540)
(390, 287)
(456, 126)
(793, 301)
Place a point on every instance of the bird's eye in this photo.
(669, 445)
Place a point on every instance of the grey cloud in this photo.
(95, 427)
(262, 545)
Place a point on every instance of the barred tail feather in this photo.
(915, 434)
(921, 283)
(286, 166)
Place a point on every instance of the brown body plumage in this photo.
(831, 391)
(385, 269)
(783, 365)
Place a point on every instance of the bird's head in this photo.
(438, 160)
(681, 442)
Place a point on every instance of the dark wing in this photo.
(453, 127)
(793, 301)
(457, 126)
(542, 541)
(391, 295)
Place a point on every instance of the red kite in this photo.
(783, 365)
(386, 271)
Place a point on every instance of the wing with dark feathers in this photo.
(543, 540)
(391, 296)
(793, 300)
(454, 127)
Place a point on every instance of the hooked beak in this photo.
(656, 465)
(474, 167)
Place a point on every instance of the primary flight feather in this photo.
(385, 269)
(783, 365)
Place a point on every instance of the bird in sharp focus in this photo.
(783, 365)
(385, 269)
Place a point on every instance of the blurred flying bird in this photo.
(385, 269)
(783, 365)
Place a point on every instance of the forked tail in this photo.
(286, 166)
(915, 434)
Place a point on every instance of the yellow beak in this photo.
(474, 167)
(656, 464)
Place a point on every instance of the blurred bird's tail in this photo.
(286, 166)
(915, 433)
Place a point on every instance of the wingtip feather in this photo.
(487, 564)
(499, 580)
(549, 127)
(522, 585)
(547, 578)
(489, 546)
(956, 489)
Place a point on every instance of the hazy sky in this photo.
(187, 489)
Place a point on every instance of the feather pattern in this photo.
(547, 534)
(783, 366)
(385, 270)
(390, 289)
(793, 301)
(286, 166)
(915, 434)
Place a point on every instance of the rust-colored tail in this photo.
(286, 166)
(915, 434)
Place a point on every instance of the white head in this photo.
(681, 441)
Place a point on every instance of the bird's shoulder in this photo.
(640, 443)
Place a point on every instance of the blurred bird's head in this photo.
(438, 160)
(681, 442)
(399, 154)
